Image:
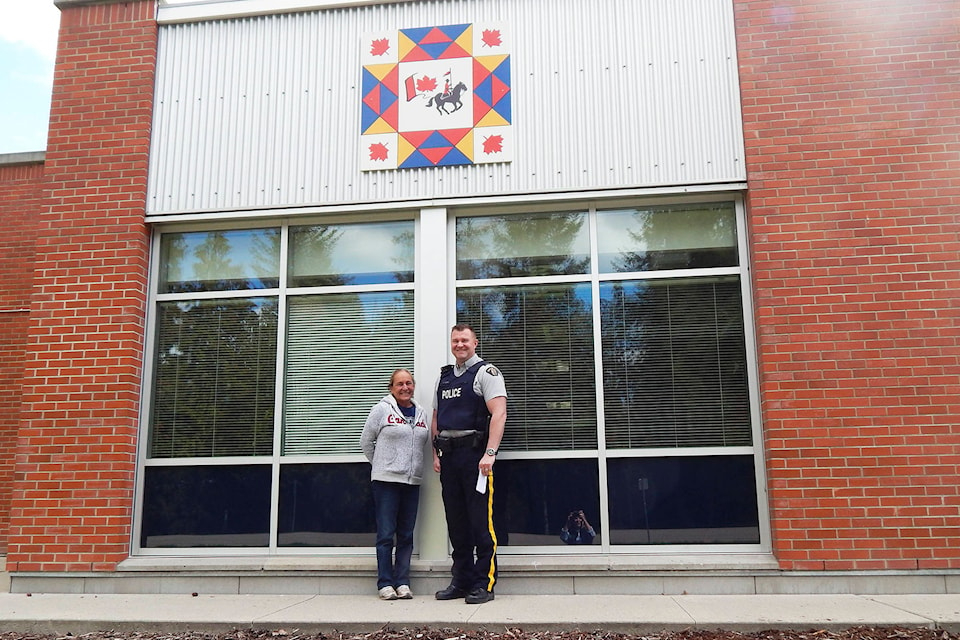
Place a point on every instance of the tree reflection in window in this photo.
(219, 260)
(215, 375)
(522, 245)
(674, 364)
(358, 253)
(658, 238)
(541, 337)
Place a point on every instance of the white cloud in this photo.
(32, 23)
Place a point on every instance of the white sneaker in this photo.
(387, 593)
(404, 593)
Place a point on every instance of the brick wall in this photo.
(852, 125)
(72, 502)
(20, 196)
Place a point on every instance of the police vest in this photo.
(458, 407)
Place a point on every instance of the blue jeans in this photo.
(396, 506)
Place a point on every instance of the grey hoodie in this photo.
(394, 448)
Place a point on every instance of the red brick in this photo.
(854, 178)
(80, 394)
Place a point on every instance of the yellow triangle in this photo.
(466, 40)
(492, 119)
(404, 149)
(491, 62)
(465, 146)
(404, 45)
(380, 71)
(380, 126)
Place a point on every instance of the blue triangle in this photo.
(454, 30)
(435, 141)
(436, 49)
(503, 71)
(416, 34)
(368, 82)
(455, 157)
(484, 90)
(387, 98)
(367, 117)
(503, 107)
(416, 159)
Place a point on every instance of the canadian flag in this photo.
(410, 86)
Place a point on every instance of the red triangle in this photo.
(454, 51)
(480, 73)
(416, 138)
(434, 36)
(499, 89)
(455, 135)
(372, 99)
(435, 154)
(480, 109)
(392, 115)
(392, 80)
(416, 55)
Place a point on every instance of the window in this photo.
(620, 331)
(648, 325)
(214, 381)
(229, 316)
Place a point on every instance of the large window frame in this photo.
(285, 293)
(435, 290)
(603, 544)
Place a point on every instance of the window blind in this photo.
(674, 364)
(541, 338)
(214, 386)
(341, 350)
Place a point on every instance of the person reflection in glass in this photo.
(394, 440)
(577, 530)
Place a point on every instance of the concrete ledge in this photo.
(526, 575)
(27, 157)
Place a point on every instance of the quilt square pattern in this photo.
(435, 96)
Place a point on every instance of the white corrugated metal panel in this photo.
(265, 111)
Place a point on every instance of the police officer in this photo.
(468, 422)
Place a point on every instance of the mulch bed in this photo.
(853, 633)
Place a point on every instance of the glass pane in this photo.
(541, 337)
(341, 350)
(683, 500)
(368, 253)
(674, 364)
(540, 244)
(535, 497)
(212, 506)
(215, 377)
(326, 505)
(678, 237)
(219, 260)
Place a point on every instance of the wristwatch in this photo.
(491, 452)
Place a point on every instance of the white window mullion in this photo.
(279, 382)
(598, 377)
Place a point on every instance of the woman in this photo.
(394, 440)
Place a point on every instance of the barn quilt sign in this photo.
(435, 96)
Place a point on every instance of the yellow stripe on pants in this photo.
(491, 570)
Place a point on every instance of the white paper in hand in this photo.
(481, 483)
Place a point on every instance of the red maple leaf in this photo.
(426, 84)
(493, 144)
(379, 47)
(491, 38)
(379, 151)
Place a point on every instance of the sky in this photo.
(28, 47)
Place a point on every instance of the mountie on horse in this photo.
(451, 97)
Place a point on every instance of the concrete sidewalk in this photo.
(66, 613)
